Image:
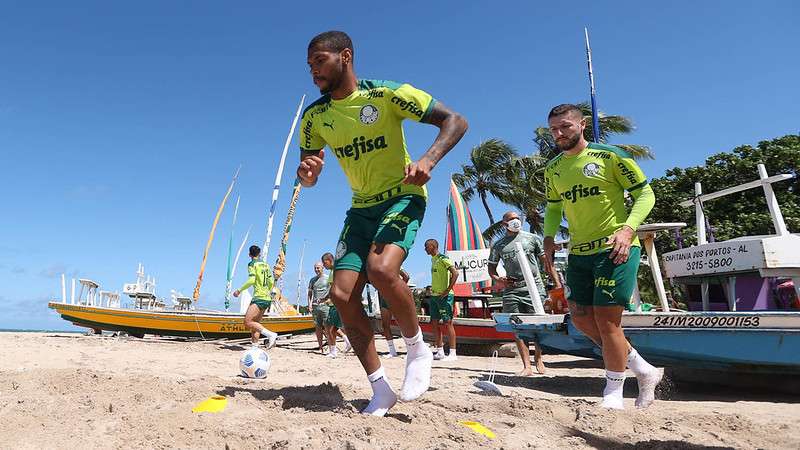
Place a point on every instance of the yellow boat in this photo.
(205, 324)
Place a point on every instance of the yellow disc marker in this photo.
(212, 404)
(478, 428)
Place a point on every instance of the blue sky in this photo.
(121, 123)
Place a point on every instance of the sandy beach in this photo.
(74, 391)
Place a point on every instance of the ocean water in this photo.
(14, 330)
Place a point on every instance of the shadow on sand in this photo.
(602, 442)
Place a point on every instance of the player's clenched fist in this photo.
(310, 167)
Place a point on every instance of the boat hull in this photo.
(743, 343)
(468, 331)
(203, 324)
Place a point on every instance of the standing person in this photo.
(318, 288)
(333, 323)
(516, 297)
(361, 122)
(259, 275)
(443, 277)
(587, 181)
(386, 317)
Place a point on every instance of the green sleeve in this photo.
(408, 102)
(552, 218)
(308, 136)
(644, 199)
(251, 278)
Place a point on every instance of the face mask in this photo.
(514, 225)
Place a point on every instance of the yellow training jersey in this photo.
(365, 133)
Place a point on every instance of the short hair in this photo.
(327, 255)
(254, 251)
(333, 40)
(508, 213)
(432, 240)
(564, 109)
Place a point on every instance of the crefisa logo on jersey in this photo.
(591, 169)
(368, 114)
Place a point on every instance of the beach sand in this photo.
(72, 391)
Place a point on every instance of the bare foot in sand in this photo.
(525, 373)
(540, 366)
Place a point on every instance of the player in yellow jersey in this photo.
(587, 181)
(361, 123)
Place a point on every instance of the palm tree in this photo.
(609, 125)
(524, 190)
(486, 174)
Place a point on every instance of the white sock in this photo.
(452, 352)
(383, 397)
(637, 364)
(647, 376)
(418, 368)
(392, 350)
(333, 351)
(347, 345)
(612, 394)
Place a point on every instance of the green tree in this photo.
(485, 175)
(740, 214)
(523, 181)
(609, 125)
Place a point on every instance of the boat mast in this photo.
(300, 273)
(196, 294)
(278, 177)
(595, 119)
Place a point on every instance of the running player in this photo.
(443, 277)
(361, 122)
(587, 181)
(386, 317)
(259, 275)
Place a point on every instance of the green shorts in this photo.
(594, 280)
(333, 318)
(261, 303)
(442, 308)
(518, 301)
(320, 314)
(394, 221)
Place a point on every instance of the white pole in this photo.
(530, 279)
(701, 237)
(63, 289)
(772, 203)
(700, 216)
(655, 269)
(72, 301)
(278, 177)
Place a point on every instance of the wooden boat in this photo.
(747, 342)
(203, 324)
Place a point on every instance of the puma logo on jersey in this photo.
(556, 174)
(610, 294)
(329, 125)
(397, 227)
(360, 146)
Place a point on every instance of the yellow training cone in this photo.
(212, 404)
(478, 428)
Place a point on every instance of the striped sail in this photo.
(463, 233)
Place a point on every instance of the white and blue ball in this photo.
(254, 363)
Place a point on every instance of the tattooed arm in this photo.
(452, 127)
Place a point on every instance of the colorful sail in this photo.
(196, 294)
(462, 234)
(229, 279)
(280, 264)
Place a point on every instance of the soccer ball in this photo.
(254, 363)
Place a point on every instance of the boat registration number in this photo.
(707, 321)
